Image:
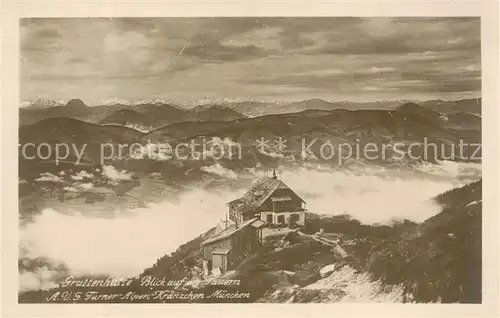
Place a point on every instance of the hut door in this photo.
(220, 261)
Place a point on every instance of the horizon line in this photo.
(63, 102)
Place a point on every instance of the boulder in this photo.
(327, 270)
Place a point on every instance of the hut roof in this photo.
(231, 229)
(258, 194)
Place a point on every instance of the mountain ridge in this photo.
(315, 127)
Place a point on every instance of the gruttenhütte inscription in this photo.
(159, 290)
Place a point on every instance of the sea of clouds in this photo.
(130, 242)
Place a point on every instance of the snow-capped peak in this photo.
(133, 102)
(42, 103)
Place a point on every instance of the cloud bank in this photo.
(134, 239)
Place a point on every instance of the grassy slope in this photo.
(439, 259)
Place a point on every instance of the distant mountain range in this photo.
(262, 108)
(150, 115)
(155, 116)
(46, 103)
(409, 123)
(42, 103)
(253, 109)
(157, 113)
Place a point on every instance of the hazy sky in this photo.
(184, 59)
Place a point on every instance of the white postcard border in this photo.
(12, 11)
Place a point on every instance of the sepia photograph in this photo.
(250, 160)
(241, 155)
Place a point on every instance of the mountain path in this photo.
(327, 242)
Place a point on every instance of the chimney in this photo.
(274, 174)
